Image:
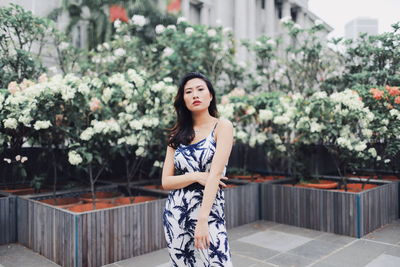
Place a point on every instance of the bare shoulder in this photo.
(224, 127)
(224, 123)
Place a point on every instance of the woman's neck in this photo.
(202, 118)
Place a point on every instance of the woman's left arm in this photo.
(221, 157)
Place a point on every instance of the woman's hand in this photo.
(201, 236)
(201, 178)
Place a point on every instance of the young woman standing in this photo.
(198, 151)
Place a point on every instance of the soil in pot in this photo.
(89, 206)
(62, 202)
(321, 184)
(20, 191)
(131, 200)
(358, 187)
(100, 196)
(390, 178)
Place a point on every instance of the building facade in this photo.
(250, 18)
(361, 25)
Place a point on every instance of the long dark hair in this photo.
(182, 132)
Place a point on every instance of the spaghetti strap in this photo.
(215, 126)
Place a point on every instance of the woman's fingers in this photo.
(202, 242)
(225, 178)
(223, 184)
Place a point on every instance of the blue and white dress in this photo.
(182, 208)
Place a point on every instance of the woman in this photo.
(197, 154)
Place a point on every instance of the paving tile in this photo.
(15, 255)
(298, 231)
(336, 239)
(238, 260)
(275, 240)
(384, 260)
(315, 249)
(286, 259)
(358, 253)
(394, 251)
(248, 229)
(252, 251)
(388, 234)
(158, 257)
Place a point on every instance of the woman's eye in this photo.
(201, 89)
(188, 92)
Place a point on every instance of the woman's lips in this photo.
(195, 103)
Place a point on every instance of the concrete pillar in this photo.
(286, 13)
(286, 9)
(270, 17)
(301, 18)
(205, 15)
(185, 8)
(240, 25)
(252, 19)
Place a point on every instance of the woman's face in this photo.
(196, 95)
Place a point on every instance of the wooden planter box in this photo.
(345, 213)
(92, 238)
(8, 219)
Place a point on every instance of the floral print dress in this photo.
(182, 208)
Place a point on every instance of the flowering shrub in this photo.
(299, 62)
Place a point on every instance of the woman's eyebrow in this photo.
(187, 88)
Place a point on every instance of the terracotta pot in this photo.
(390, 178)
(253, 176)
(21, 191)
(323, 184)
(358, 187)
(62, 202)
(89, 206)
(100, 197)
(230, 186)
(131, 200)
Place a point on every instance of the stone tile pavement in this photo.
(266, 243)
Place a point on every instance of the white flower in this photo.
(160, 29)
(286, 19)
(361, 146)
(250, 110)
(23, 159)
(367, 132)
(7, 160)
(63, 46)
(171, 27)
(318, 22)
(84, 89)
(281, 148)
(107, 93)
(271, 42)
(211, 32)
(344, 142)
(106, 46)
(378, 158)
(158, 164)
(41, 125)
(168, 80)
(319, 95)
(180, 20)
(280, 120)
(120, 52)
(385, 121)
(261, 138)
(227, 30)
(297, 26)
(10, 123)
(372, 151)
(189, 31)
(133, 76)
(386, 161)
(316, 127)
(168, 51)
(241, 135)
(87, 134)
(265, 115)
(136, 125)
(139, 20)
(74, 158)
(140, 151)
(117, 23)
(18, 157)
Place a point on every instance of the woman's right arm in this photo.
(171, 181)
